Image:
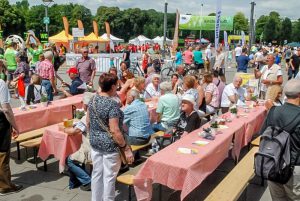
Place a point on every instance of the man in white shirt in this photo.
(233, 93)
(269, 75)
(208, 56)
(219, 64)
(259, 58)
(238, 51)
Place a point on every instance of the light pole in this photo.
(201, 14)
(165, 27)
(252, 35)
(46, 19)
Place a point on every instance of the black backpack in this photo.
(273, 160)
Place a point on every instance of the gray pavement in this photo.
(50, 185)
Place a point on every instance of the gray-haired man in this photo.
(86, 67)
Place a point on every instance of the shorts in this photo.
(10, 75)
(199, 66)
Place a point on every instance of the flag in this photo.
(66, 25)
(218, 23)
(111, 43)
(95, 27)
(243, 38)
(79, 23)
(226, 41)
(175, 39)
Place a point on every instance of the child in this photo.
(34, 91)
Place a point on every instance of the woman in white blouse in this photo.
(153, 90)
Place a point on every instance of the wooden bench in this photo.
(28, 136)
(233, 185)
(34, 144)
(139, 147)
(256, 142)
(127, 178)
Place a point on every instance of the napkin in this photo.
(200, 143)
(183, 150)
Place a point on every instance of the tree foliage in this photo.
(240, 22)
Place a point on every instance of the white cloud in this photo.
(230, 7)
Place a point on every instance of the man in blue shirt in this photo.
(242, 61)
(136, 118)
(73, 87)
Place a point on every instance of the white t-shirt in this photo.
(230, 90)
(4, 93)
(238, 51)
(208, 54)
(151, 91)
(219, 61)
(268, 74)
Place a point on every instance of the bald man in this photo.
(86, 67)
(269, 75)
(232, 94)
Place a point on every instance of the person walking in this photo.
(86, 67)
(294, 64)
(8, 129)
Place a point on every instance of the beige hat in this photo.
(189, 98)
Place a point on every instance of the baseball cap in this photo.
(189, 98)
(73, 70)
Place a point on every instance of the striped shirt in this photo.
(46, 70)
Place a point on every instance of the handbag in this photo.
(104, 127)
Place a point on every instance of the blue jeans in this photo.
(158, 127)
(77, 174)
(242, 71)
(49, 89)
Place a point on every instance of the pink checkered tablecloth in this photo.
(44, 116)
(187, 171)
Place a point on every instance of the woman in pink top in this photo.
(188, 56)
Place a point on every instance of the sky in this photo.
(286, 8)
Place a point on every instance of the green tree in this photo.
(270, 31)
(286, 30)
(296, 31)
(260, 26)
(240, 22)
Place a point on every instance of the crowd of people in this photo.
(117, 114)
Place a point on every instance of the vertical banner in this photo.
(66, 26)
(175, 39)
(226, 41)
(79, 23)
(95, 27)
(218, 23)
(111, 43)
(243, 38)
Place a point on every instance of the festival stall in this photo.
(113, 38)
(61, 38)
(92, 40)
(140, 40)
(160, 41)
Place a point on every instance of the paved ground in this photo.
(50, 185)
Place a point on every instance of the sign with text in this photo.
(44, 37)
(194, 22)
(76, 32)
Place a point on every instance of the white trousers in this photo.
(105, 169)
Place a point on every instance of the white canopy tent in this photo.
(113, 38)
(160, 40)
(140, 40)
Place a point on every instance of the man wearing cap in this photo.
(76, 82)
(86, 67)
(288, 116)
(189, 118)
(294, 64)
(10, 58)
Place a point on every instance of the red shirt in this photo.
(46, 70)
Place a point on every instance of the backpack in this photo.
(273, 160)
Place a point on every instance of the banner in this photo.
(207, 23)
(95, 27)
(66, 25)
(218, 23)
(80, 24)
(175, 39)
(243, 38)
(226, 41)
(111, 43)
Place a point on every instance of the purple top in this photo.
(220, 85)
(85, 68)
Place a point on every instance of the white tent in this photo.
(160, 40)
(113, 38)
(140, 40)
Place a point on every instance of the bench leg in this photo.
(35, 156)
(159, 192)
(45, 165)
(18, 150)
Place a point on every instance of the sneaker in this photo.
(86, 187)
(14, 189)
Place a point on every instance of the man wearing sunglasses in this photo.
(86, 67)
